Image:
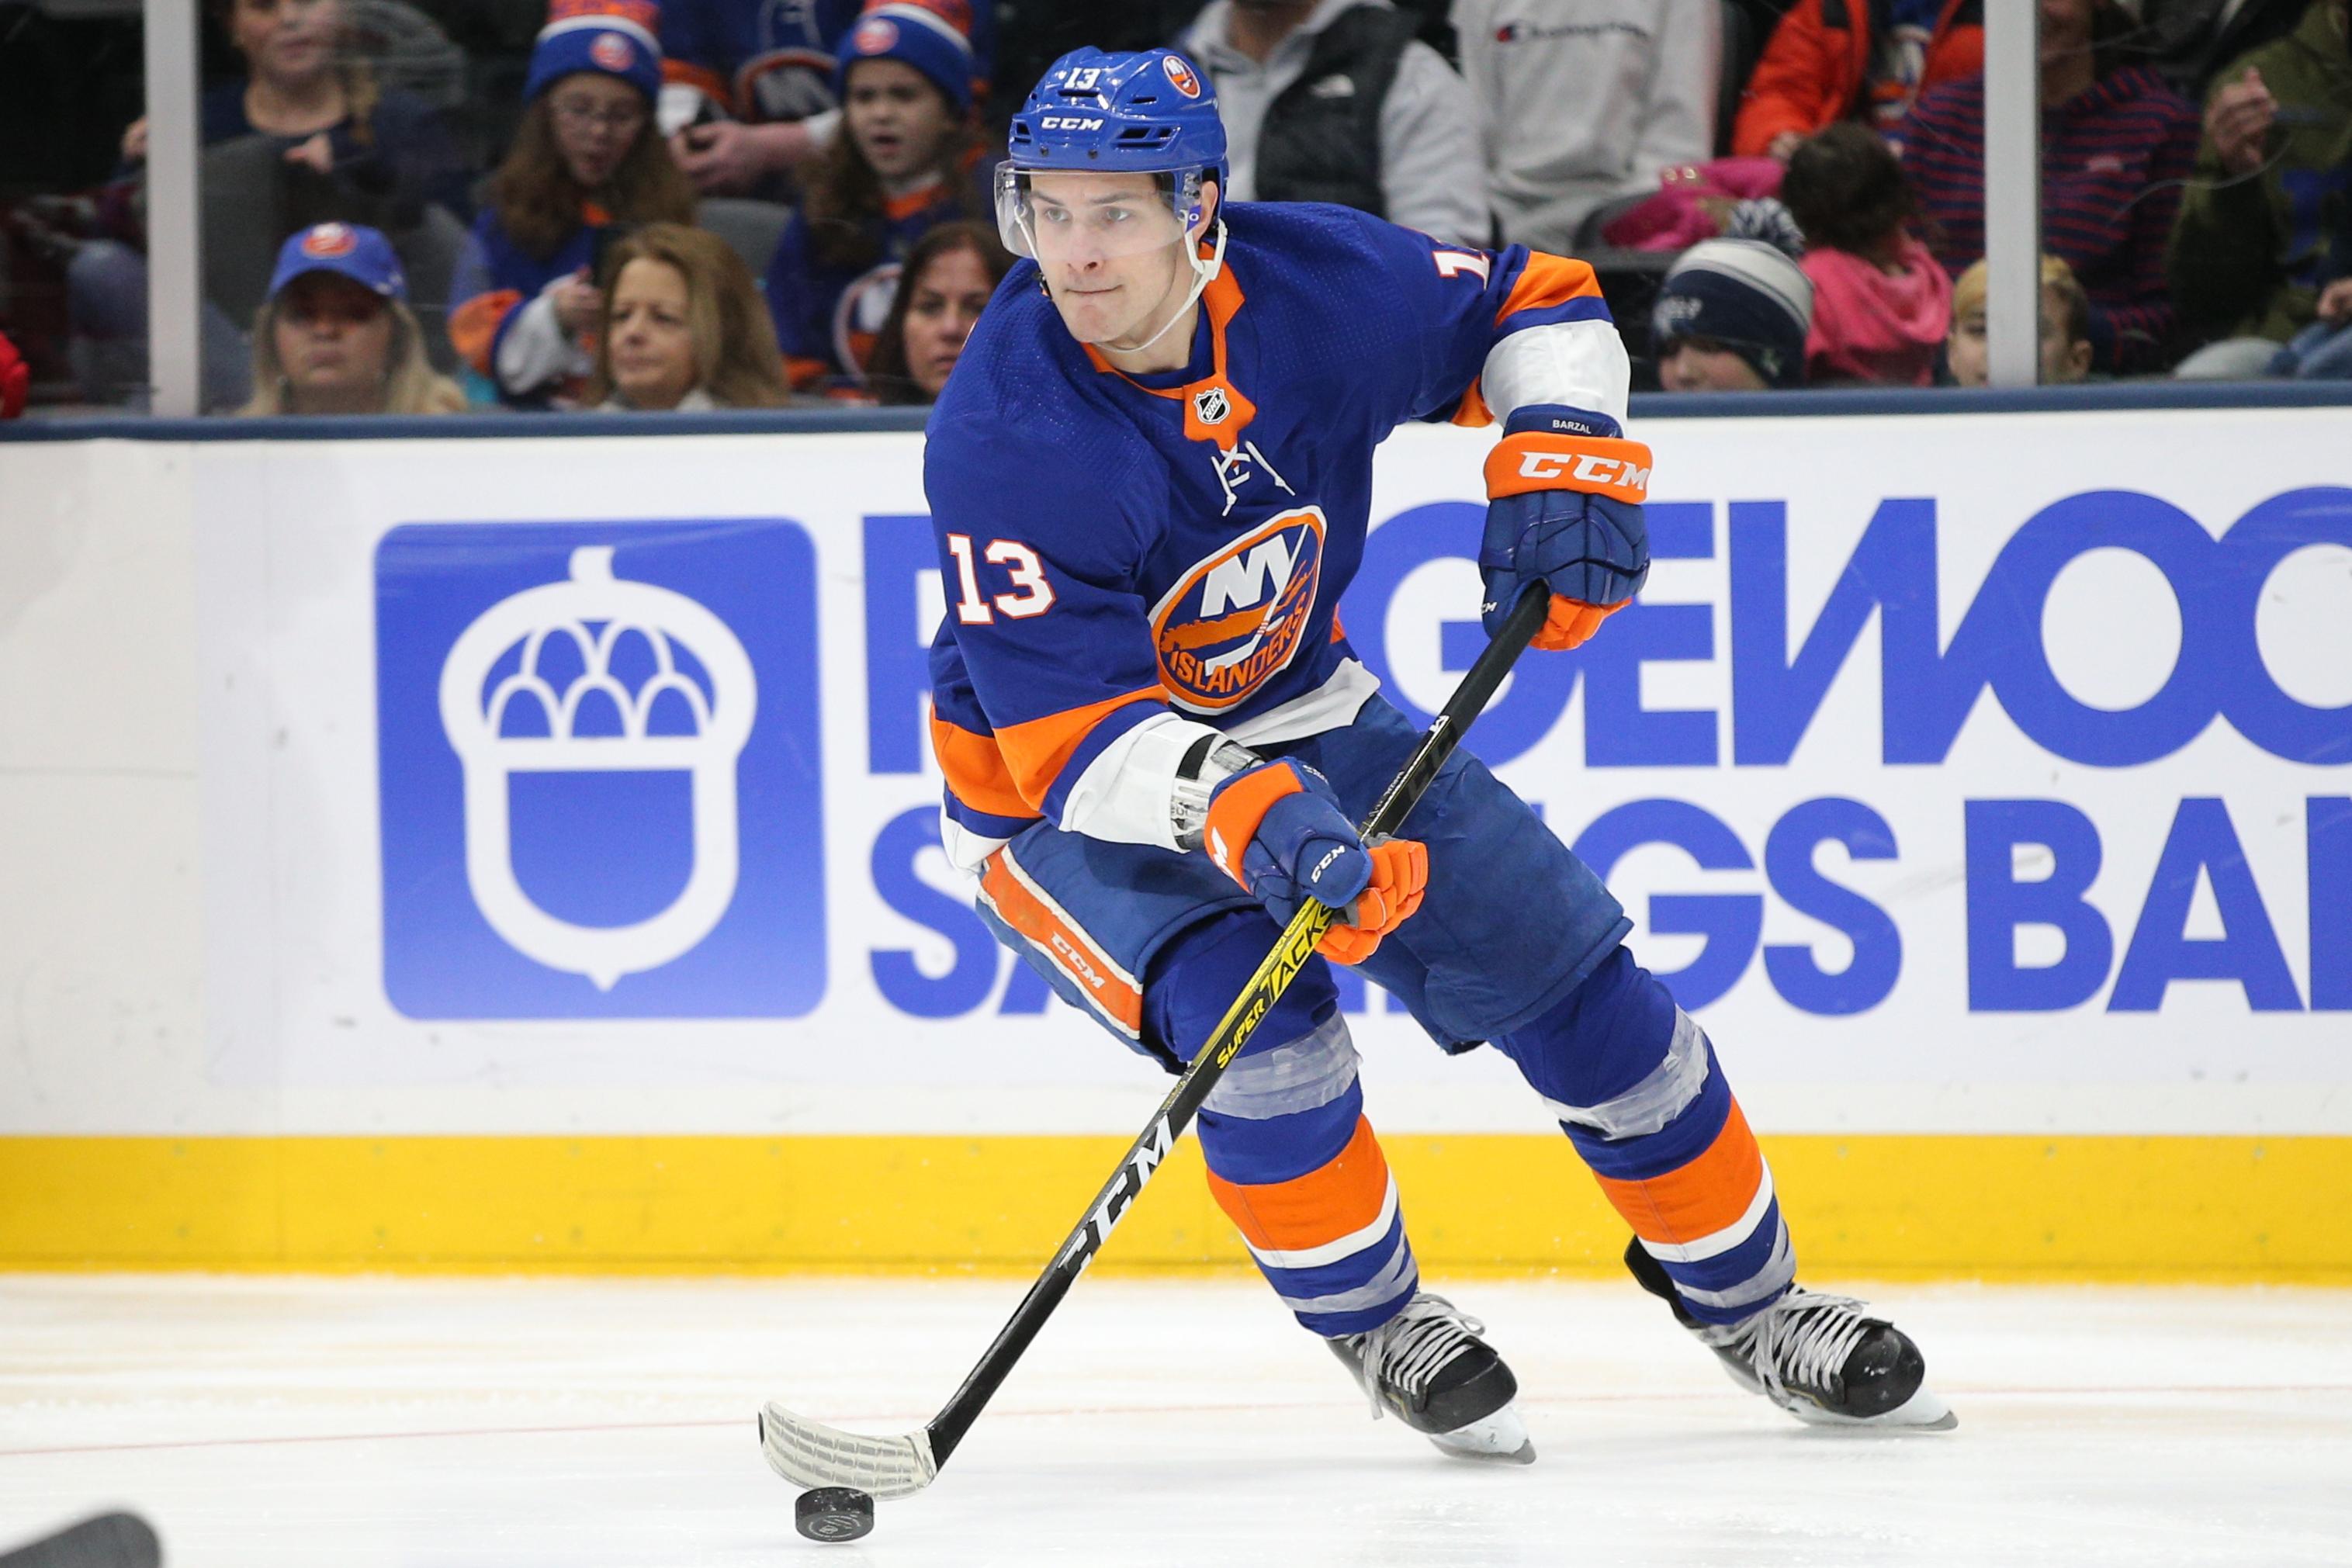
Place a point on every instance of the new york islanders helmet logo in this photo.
(1238, 618)
(1180, 76)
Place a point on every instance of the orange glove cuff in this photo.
(1236, 811)
(1571, 622)
(1546, 460)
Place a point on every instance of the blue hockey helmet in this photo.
(1145, 111)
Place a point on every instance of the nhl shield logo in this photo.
(1210, 405)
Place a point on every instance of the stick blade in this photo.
(110, 1540)
(812, 1454)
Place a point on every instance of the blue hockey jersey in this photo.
(1121, 552)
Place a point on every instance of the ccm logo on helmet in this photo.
(1584, 468)
(1067, 122)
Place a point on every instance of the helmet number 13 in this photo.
(1031, 595)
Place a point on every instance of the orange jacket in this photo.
(1815, 68)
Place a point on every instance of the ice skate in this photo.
(1817, 1356)
(1429, 1366)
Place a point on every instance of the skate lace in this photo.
(1804, 1338)
(1409, 1349)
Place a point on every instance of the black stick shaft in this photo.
(1291, 953)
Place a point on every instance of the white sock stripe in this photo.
(1346, 1246)
(1723, 1240)
(1398, 1279)
(1305, 1074)
(1664, 1094)
(1778, 1270)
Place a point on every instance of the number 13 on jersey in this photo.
(1031, 595)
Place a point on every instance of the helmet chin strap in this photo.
(1204, 268)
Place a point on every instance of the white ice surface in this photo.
(583, 1423)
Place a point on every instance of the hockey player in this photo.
(1150, 479)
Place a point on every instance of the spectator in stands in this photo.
(683, 327)
(2191, 40)
(1584, 101)
(337, 336)
(2116, 144)
(1732, 316)
(1881, 303)
(908, 159)
(1336, 100)
(749, 95)
(2248, 252)
(1842, 59)
(2065, 338)
(16, 380)
(949, 276)
(585, 159)
(355, 151)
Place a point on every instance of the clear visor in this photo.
(1075, 215)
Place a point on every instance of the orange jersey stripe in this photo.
(702, 79)
(1471, 411)
(1072, 950)
(975, 770)
(1548, 280)
(1336, 1199)
(1036, 752)
(1709, 1195)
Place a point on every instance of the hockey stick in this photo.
(110, 1540)
(814, 1454)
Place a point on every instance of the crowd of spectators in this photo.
(629, 206)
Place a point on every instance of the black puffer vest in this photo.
(1321, 139)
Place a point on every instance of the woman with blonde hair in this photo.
(683, 327)
(587, 158)
(336, 335)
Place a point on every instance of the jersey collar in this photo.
(1214, 408)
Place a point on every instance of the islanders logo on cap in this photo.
(614, 53)
(328, 241)
(1179, 76)
(876, 35)
(1238, 618)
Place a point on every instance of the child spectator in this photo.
(1881, 303)
(1337, 100)
(336, 335)
(2116, 145)
(749, 92)
(904, 163)
(1732, 316)
(683, 327)
(585, 158)
(2247, 253)
(1583, 102)
(1837, 60)
(949, 276)
(2065, 336)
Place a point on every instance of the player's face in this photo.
(1701, 364)
(1111, 252)
(653, 343)
(333, 340)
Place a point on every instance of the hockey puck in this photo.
(834, 1513)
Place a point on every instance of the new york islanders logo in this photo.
(613, 52)
(1238, 619)
(326, 242)
(1180, 76)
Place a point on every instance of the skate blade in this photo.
(1499, 1439)
(1925, 1411)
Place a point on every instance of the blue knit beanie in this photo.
(1745, 295)
(612, 37)
(911, 32)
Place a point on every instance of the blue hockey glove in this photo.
(1278, 830)
(1564, 509)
